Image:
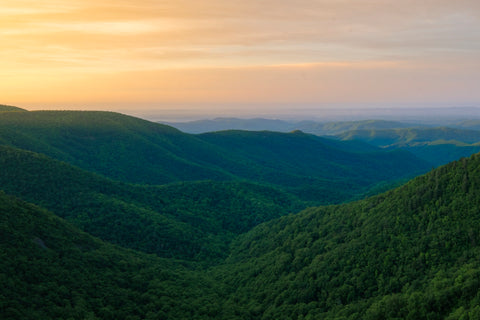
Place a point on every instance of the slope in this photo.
(311, 166)
(134, 150)
(5, 108)
(221, 124)
(339, 127)
(193, 220)
(435, 145)
(115, 145)
(320, 128)
(51, 270)
(411, 253)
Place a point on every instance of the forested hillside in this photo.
(5, 108)
(435, 145)
(190, 220)
(51, 270)
(134, 150)
(312, 166)
(227, 243)
(411, 253)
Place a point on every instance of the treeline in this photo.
(411, 253)
(132, 150)
(190, 220)
(51, 270)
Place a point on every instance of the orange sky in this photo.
(122, 54)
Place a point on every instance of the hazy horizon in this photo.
(218, 57)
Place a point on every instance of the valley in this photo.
(108, 216)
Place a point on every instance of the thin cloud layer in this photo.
(87, 40)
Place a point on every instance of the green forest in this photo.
(106, 216)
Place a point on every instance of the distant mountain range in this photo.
(437, 145)
(260, 124)
(138, 151)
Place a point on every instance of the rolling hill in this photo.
(51, 270)
(320, 128)
(138, 151)
(222, 124)
(411, 253)
(315, 164)
(435, 145)
(5, 108)
(189, 220)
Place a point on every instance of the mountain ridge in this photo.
(138, 151)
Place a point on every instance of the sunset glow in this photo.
(120, 54)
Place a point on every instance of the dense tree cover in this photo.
(9, 108)
(311, 163)
(410, 253)
(473, 124)
(190, 220)
(134, 150)
(51, 270)
(438, 146)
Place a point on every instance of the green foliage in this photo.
(411, 253)
(438, 146)
(190, 220)
(51, 270)
(5, 108)
(311, 165)
(138, 151)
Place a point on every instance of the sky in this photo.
(249, 55)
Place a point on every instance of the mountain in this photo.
(228, 249)
(335, 128)
(112, 144)
(410, 253)
(5, 108)
(51, 270)
(221, 124)
(189, 220)
(468, 124)
(435, 145)
(308, 126)
(310, 165)
(138, 151)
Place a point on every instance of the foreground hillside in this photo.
(231, 247)
(51, 270)
(138, 151)
(189, 220)
(411, 253)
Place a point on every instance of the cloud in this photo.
(212, 41)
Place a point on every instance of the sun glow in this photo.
(103, 52)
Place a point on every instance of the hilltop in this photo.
(410, 253)
(5, 108)
(51, 270)
(188, 220)
(437, 145)
(138, 151)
